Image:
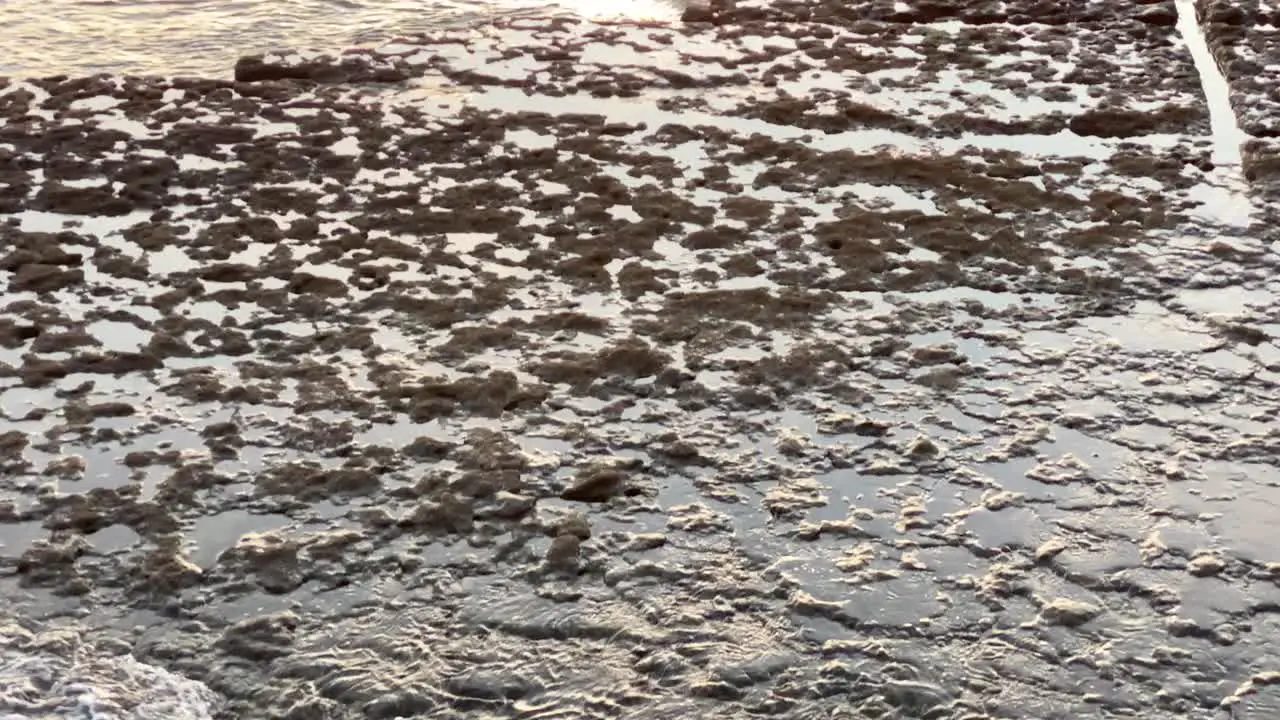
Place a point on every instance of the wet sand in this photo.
(803, 359)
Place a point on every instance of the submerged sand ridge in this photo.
(804, 360)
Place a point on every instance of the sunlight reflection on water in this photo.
(204, 37)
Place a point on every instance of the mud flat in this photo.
(804, 360)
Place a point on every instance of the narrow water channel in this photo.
(1232, 203)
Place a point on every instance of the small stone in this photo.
(1049, 549)
(1183, 627)
(681, 450)
(575, 524)
(428, 448)
(721, 691)
(1001, 500)
(936, 354)
(1206, 565)
(68, 466)
(1069, 613)
(596, 484)
(640, 542)
(112, 410)
(1159, 15)
(698, 13)
(911, 561)
(564, 553)
(1266, 677)
(507, 505)
(374, 517)
(917, 697)
(791, 442)
(922, 446)
(139, 458)
(1226, 634)
(451, 513)
(261, 638)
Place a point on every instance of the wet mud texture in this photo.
(649, 372)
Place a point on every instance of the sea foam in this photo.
(55, 673)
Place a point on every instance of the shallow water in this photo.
(958, 496)
(204, 37)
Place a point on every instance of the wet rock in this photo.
(39, 278)
(491, 396)
(268, 558)
(701, 11)
(450, 513)
(1160, 15)
(307, 481)
(65, 467)
(166, 569)
(260, 639)
(996, 501)
(791, 442)
(642, 542)
(485, 483)
(597, 483)
(697, 518)
(681, 450)
(112, 410)
(428, 448)
(1206, 565)
(629, 358)
(258, 68)
(936, 355)
(12, 445)
(491, 684)
(917, 697)
(1127, 123)
(716, 690)
(317, 709)
(1049, 549)
(95, 201)
(54, 341)
(755, 670)
(52, 563)
(842, 423)
(1070, 613)
(662, 664)
(227, 273)
(506, 505)
(488, 450)
(13, 334)
(576, 524)
(564, 553)
(402, 703)
(923, 447)
(306, 283)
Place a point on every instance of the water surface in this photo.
(204, 37)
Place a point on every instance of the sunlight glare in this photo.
(625, 10)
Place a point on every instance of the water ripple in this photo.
(204, 37)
